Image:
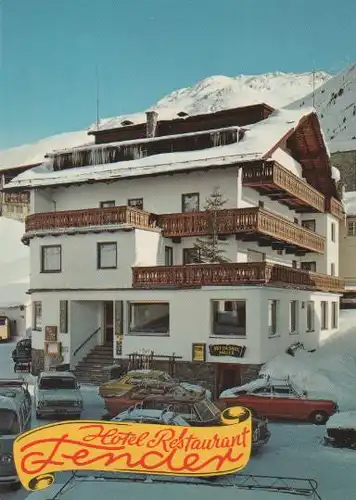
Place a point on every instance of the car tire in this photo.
(319, 417)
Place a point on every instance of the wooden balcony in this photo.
(334, 207)
(93, 217)
(272, 180)
(248, 224)
(251, 273)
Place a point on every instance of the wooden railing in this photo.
(274, 173)
(242, 220)
(334, 207)
(89, 217)
(253, 273)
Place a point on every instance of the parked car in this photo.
(272, 399)
(22, 351)
(341, 430)
(58, 394)
(193, 412)
(15, 419)
(134, 378)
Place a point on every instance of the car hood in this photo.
(59, 394)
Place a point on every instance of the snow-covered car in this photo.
(341, 430)
(273, 398)
(148, 487)
(189, 413)
(58, 394)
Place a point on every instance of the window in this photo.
(51, 259)
(168, 256)
(229, 317)
(332, 269)
(63, 316)
(308, 266)
(261, 204)
(310, 316)
(190, 256)
(334, 315)
(333, 231)
(37, 316)
(324, 314)
(351, 228)
(281, 391)
(262, 391)
(9, 423)
(149, 317)
(107, 255)
(48, 383)
(296, 221)
(135, 203)
(280, 252)
(273, 317)
(293, 316)
(309, 224)
(294, 264)
(190, 202)
(107, 204)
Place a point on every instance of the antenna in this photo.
(97, 97)
(314, 86)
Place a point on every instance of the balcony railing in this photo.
(251, 273)
(243, 221)
(334, 207)
(86, 218)
(275, 181)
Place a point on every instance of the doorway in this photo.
(108, 322)
(228, 376)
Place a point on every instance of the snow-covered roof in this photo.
(342, 420)
(258, 142)
(32, 154)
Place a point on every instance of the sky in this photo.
(142, 50)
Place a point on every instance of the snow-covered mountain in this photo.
(335, 102)
(210, 94)
(222, 92)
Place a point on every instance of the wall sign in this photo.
(237, 351)
(198, 352)
(63, 316)
(51, 334)
(118, 326)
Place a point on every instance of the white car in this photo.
(58, 394)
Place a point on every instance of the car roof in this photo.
(57, 374)
(145, 372)
(145, 413)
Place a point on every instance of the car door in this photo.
(260, 401)
(283, 401)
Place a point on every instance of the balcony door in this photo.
(254, 256)
(108, 322)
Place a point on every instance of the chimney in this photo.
(151, 123)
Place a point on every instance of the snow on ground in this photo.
(328, 372)
(14, 263)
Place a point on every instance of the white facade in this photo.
(266, 319)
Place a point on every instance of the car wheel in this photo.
(319, 417)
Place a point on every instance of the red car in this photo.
(282, 401)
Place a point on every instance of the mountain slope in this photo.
(335, 102)
(222, 92)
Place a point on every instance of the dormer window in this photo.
(181, 114)
(127, 122)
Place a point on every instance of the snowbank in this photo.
(342, 420)
(14, 264)
(329, 372)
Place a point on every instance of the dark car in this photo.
(22, 351)
(198, 413)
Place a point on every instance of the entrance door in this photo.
(228, 376)
(108, 322)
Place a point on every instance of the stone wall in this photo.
(37, 361)
(345, 161)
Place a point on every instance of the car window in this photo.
(186, 411)
(262, 391)
(57, 383)
(9, 422)
(282, 391)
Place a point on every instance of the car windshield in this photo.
(9, 423)
(207, 411)
(57, 383)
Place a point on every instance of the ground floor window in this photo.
(273, 310)
(335, 315)
(37, 316)
(324, 314)
(149, 317)
(293, 316)
(229, 317)
(310, 316)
